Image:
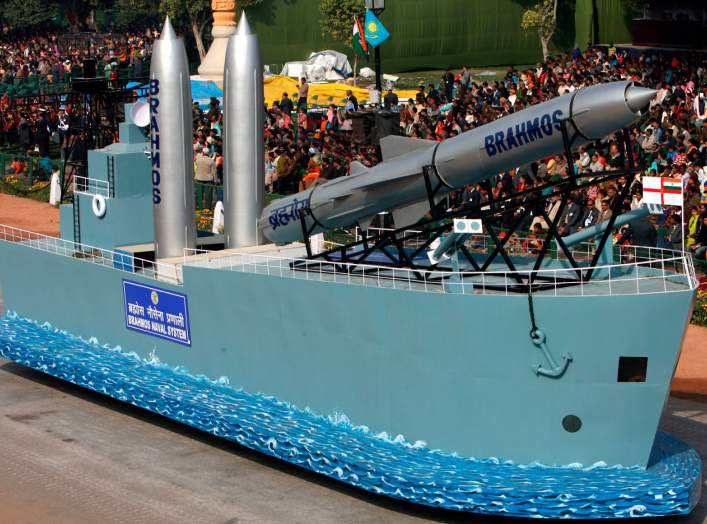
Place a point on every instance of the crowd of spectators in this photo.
(305, 147)
(56, 58)
(31, 64)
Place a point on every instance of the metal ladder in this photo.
(111, 176)
(77, 219)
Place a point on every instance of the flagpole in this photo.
(682, 217)
(377, 7)
(379, 82)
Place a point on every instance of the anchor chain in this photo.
(538, 337)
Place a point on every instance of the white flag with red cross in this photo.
(663, 191)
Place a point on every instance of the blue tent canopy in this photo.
(201, 91)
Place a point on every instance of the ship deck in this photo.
(632, 277)
(636, 271)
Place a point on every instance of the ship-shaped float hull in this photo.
(311, 356)
(437, 375)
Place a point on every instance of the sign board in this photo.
(469, 226)
(156, 312)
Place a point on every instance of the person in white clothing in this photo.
(700, 108)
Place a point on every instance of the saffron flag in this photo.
(360, 46)
(376, 33)
(663, 191)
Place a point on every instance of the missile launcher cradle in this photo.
(504, 367)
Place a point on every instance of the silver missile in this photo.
(244, 150)
(397, 184)
(171, 142)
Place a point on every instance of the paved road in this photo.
(67, 456)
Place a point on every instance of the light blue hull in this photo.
(377, 463)
(455, 371)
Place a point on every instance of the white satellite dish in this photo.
(140, 114)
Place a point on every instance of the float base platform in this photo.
(331, 446)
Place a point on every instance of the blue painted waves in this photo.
(331, 446)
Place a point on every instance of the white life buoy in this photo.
(99, 206)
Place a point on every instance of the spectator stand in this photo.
(97, 107)
(89, 44)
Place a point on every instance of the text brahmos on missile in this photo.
(155, 140)
(523, 133)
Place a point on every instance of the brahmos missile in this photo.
(398, 185)
(171, 144)
(244, 150)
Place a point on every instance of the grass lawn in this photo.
(39, 192)
(479, 74)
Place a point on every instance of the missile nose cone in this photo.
(638, 98)
(168, 31)
(244, 26)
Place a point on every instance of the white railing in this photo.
(91, 186)
(119, 261)
(190, 252)
(638, 277)
(410, 236)
(640, 271)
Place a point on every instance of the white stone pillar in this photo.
(211, 67)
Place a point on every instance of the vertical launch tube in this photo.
(244, 153)
(171, 144)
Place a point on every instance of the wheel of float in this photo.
(99, 206)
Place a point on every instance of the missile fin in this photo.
(357, 168)
(409, 215)
(394, 146)
(365, 223)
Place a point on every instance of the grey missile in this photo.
(244, 150)
(397, 184)
(171, 144)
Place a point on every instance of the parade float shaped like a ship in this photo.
(449, 366)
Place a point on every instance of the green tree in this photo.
(129, 13)
(197, 15)
(193, 14)
(337, 19)
(20, 14)
(542, 17)
(635, 6)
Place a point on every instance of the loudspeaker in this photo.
(369, 128)
(89, 68)
(361, 126)
(386, 123)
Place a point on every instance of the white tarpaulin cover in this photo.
(218, 218)
(321, 66)
(55, 189)
(293, 69)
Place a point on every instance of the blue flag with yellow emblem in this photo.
(376, 33)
